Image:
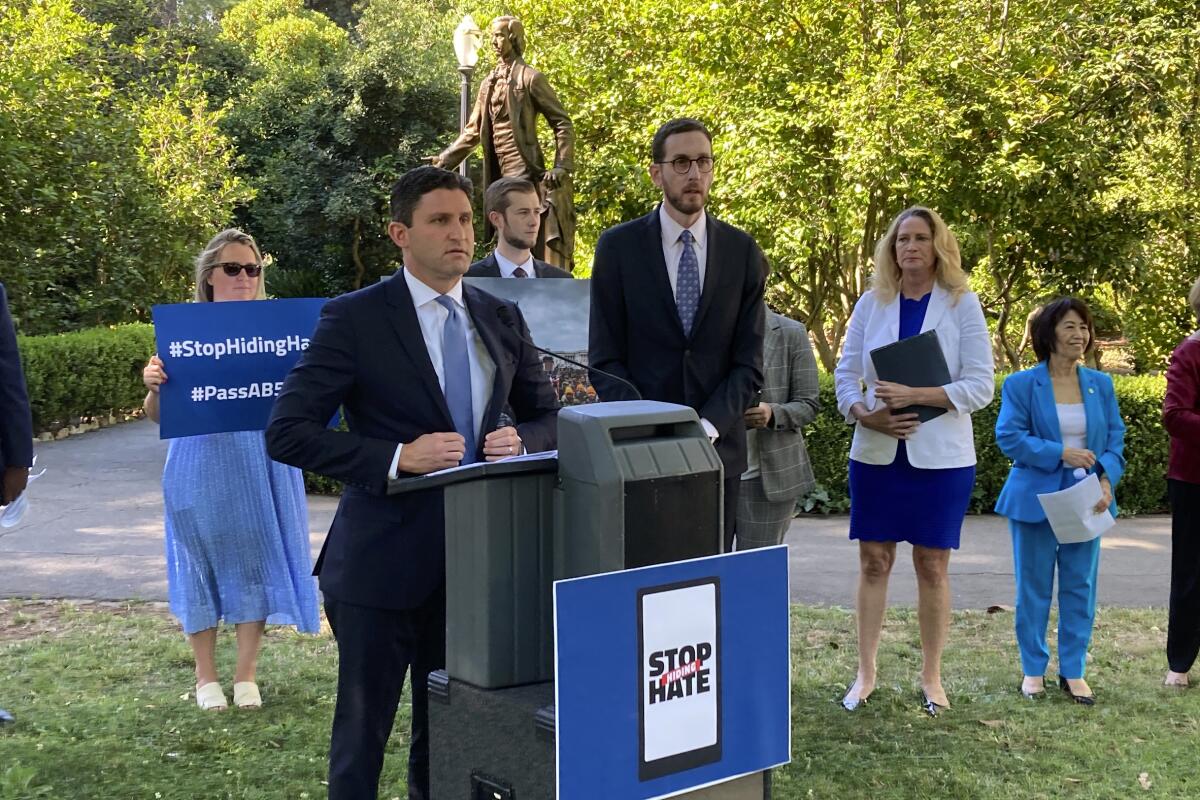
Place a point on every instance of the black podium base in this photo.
(490, 744)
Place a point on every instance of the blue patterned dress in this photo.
(237, 535)
(898, 502)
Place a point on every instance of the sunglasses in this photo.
(232, 269)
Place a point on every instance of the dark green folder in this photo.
(916, 361)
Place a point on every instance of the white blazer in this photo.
(947, 440)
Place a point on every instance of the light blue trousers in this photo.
(1035, 555)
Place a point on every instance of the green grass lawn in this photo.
(102, 693)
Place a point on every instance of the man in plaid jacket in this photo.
(779, 472)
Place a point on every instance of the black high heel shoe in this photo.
(1081, 699)
(931, 708)
(1038, 695)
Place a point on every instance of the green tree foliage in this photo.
(325, 119)
(108, 189)
(1059, 138)
(1038, 129)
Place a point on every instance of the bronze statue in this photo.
(511, 97)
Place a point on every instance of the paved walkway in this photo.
(94, 530)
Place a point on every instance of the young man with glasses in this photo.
(677, 304)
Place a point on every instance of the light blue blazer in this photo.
(1027, 432)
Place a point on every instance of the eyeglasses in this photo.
(232, 269)
(683, 165)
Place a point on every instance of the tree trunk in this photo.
(1002, 343)
(360, 270)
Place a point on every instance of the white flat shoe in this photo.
(245, 695)
(1176, 680)
(210, 697)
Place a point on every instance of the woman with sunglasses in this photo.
(236, 521)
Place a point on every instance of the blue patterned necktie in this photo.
(687, 283)
(456, 370)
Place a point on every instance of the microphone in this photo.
(506, 319)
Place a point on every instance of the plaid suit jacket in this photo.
(790, 388)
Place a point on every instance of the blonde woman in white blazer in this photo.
(912, 481)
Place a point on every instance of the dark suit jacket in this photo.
(16, 427)
(369, 357)
(490, 268)
(636, 333)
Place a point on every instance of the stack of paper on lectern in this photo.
(917, 361)
(1071, 512)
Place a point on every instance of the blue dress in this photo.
(237, 535)
(898, 502)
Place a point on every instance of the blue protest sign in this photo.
(672, 677)
(225, 362)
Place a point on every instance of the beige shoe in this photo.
(245, 695)
(1176, 680)
(210, 697)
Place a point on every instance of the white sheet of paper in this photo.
(540, 456)
(1070, 512)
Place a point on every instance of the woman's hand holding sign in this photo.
(154, 376)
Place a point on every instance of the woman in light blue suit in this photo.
(1054, 419)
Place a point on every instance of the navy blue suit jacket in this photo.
(635, 330)
(1027, 432)
(16, 426)
(368, 356)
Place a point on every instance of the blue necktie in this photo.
(456, 370)
(687, 284)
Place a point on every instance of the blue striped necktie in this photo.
(456, 371)
(687, 283)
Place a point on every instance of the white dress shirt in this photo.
(431, 316)
(673, 247)
(507, 268)
(673, 252)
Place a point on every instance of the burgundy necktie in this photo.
(520, 272)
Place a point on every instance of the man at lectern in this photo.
(677, 304)
(422, 367)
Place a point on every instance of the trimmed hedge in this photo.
(99, 371)
(1143, 489)
(89, 373)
